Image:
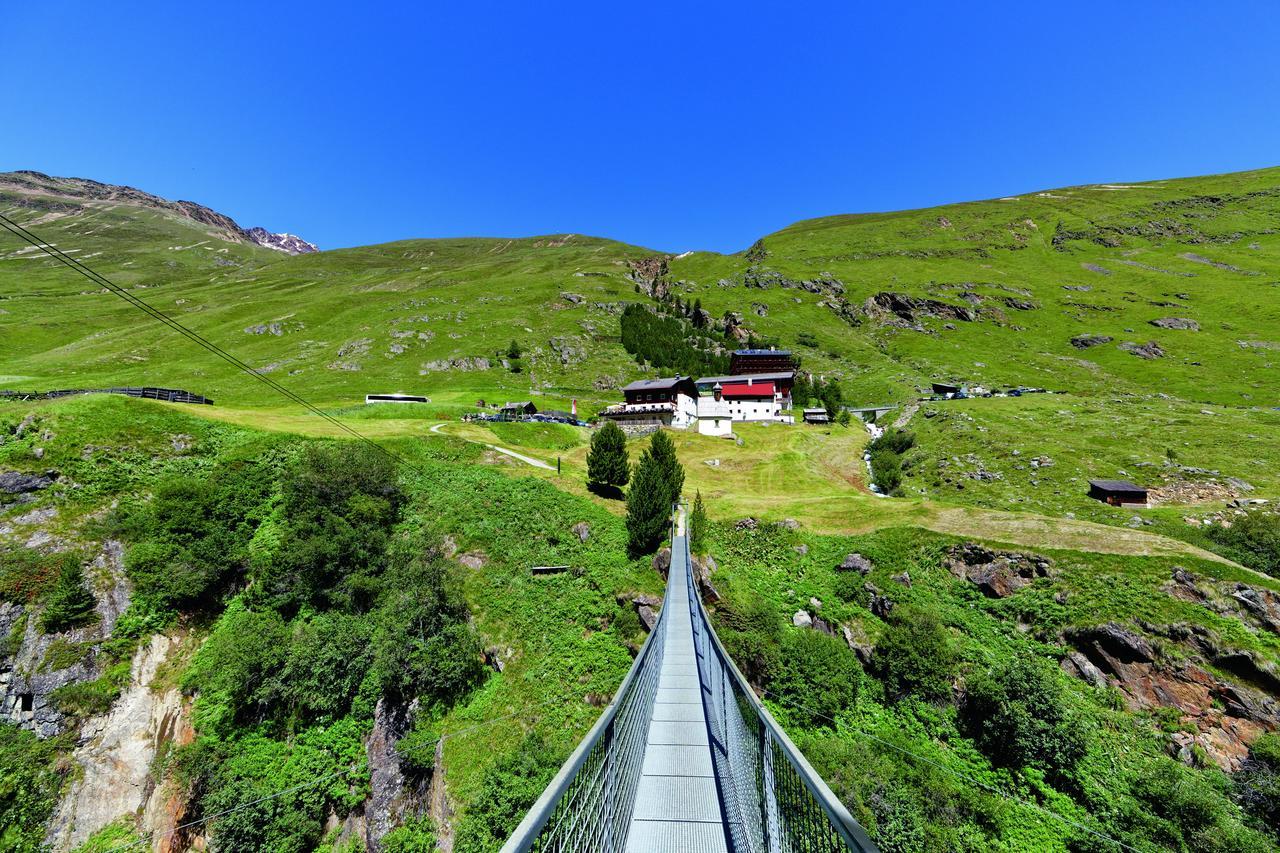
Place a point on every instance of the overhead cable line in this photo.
(139, 303)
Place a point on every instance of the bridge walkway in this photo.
(678, 805)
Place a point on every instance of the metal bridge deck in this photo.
(677, 806)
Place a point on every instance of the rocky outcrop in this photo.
(905, 311)
(1225, 717)
(117, 750)
(1087, 341)
(1183, 323)
(997, 573)
(290, 244)
(650, 273)
(1150, 350)
(18, 483)
(470, 363)
(662, 561)
(391, 792)
(855, 563)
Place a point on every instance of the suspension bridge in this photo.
(686, 758)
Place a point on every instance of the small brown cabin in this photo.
(1117, 492)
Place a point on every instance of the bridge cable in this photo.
(989, 788)
(96, 277)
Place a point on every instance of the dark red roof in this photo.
(742, 389)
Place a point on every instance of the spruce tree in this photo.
(697, 525)
(647, 506)
(663, 451)
(607, 466)
(70, 603)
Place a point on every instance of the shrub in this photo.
(820, 680)
(1020, 717)
(914, 655)
(509, 787)
(70, 604)
(607, 467)
(1193, 815)
(328, 658)
(235, 669)
(894, 440)
(1257, 784)
(29, 785)
(415, 835)
(1253, 540)
(886, 470)
(26, 574)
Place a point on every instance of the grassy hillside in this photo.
(1053, 289)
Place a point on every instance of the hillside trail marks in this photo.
(528, 460)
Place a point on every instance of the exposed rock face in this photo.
(389, 791)
(650, 274)
(662, 561)
(1182, 323)
(26, 681)
(117, 750)
(469, 363)
(17, 483)
(702, 569)
(856, 563)
(997, 573)
(905, 311)
(1086, 341)
(1227, 717)
(1150, 350)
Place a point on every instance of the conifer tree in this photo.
(697, 525)
(663, 451)
(647, 506)
(608, 469)
(70, 603)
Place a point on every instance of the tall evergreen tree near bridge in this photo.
(608, 468)
(655, 486)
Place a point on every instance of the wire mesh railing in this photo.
(773, 801)
(587, 807)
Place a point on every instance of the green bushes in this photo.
(1021, 717)
(914, 655)
(1257, 784)
(820, 679)
(26, 574)
(607, 467)
(886, 458)
(510, 786)
(1253, 539)
(29, 786)
(191, 542)
(1180, 810)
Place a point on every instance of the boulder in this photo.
(1086, 341)
(858, 642)
(662, 561)
(747, 523)
(856, 563)
(647, 617)
(997, 573)
(17, 483)
(1080, 666)
(1150, 350)
(582, 530)
(1183, 323)
(473, 559)
(802, 619)
(903, 578)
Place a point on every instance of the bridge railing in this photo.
(774, 801)
(587, 807)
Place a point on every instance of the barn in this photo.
(1118, 492)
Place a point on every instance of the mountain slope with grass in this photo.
(204, 605)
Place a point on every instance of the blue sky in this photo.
(671, 125)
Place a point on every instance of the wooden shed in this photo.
(1118, 492)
